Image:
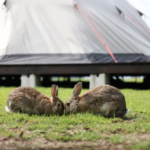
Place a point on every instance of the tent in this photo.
(67, 37)
(143, 7)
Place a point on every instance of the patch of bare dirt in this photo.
(41, 143)
(143, 137)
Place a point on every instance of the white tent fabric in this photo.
(144, 7)
(58, 32)
(2, 2)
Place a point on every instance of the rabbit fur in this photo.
(29, 100)
(103, 100)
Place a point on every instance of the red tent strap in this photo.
(95, 22)
(105, 44)
(136, 22)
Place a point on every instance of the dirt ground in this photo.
(41, 143)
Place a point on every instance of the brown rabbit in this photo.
(29, 100)
(103, 100)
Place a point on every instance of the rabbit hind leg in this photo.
(106, 108)
(15, 108)
(120, 113)
(98, 114)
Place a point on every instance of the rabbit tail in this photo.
(127, 111)
(8, 108)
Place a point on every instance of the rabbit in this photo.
(29, 100)
(104, 100)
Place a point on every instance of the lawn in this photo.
(77, 131)
(136, 80)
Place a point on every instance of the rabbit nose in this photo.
(68, 104)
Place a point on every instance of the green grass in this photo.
(141, 146)
(86, 127)
(137, 80)
(76, 79)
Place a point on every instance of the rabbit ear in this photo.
(54, 91)
(77, 89)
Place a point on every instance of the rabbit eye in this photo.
(58, 104)
(68, 104)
